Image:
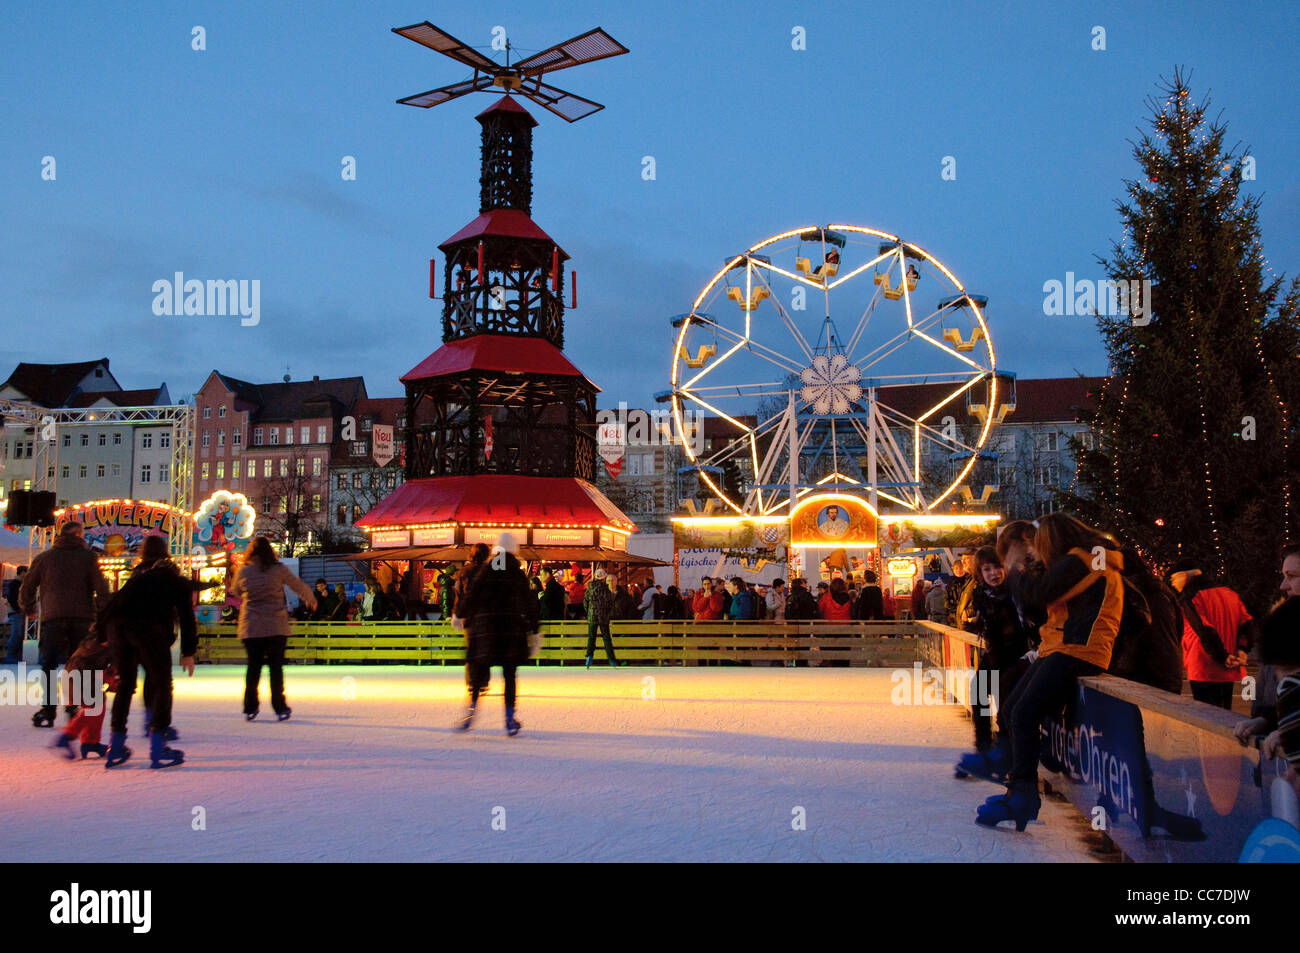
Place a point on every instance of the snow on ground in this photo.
(711, 768)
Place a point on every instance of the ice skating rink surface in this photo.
(628, 764)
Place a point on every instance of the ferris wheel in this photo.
(840, 358)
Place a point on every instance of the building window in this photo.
(117, 439)
(356, 512)
(221, 411)
(81, 471)
(359, 448)
(366, 424)
(67, 439)
(305, 435)
(390, 480)
(103, 440)
(401, 421)
(146, 473)
(221, 469)
(340, 482)
(206, 438)
(205, 471)
(162, 473)
(207, 413)
(315, 466)
(266, 504)
(65, 471)
(284, 504)
(315, 502)
(341, 516)
(300, 467)
(266, 468)
(115, 470)
(165, 440)
(1045, 441)
(234, 470)
(1006, 476)
(85, 440)
(288, 434)
(275, 436)
(356, 481)
(1047, 475)
(257, 436)
(221, 438)
(237, 437)
(1085, 439)
(99, 471)
(320, 433)
(284, 466)
(146, 441)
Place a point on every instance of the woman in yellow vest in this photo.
(1081, 588)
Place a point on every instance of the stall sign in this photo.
(388, 538)
(562, 537)
(435, 536)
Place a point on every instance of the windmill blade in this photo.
(590, 46)
(567, 106)
(436, 97)
(426, 34)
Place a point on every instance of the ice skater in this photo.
(500, 614)
(599, 603)
(139, 623)
(94, 656)
(264, 622)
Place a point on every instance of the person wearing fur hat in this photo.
(500, 613)
(599, 605)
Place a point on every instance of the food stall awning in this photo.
(546, 554)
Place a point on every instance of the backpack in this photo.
(1148, 647)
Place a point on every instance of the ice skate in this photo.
(161, 756)
(512, 726)
(283, 715)
(63, 746)
(467, 719)
(96, 749)
(991, 765)
(44, 718)
(118, 752)
(1019, 804)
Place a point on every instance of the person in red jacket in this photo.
(1215, 627)
(707, 604)
(836, 604)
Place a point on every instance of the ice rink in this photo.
(628, 764)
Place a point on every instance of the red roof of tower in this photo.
(504, 223)
(506, 104)
(508, 353)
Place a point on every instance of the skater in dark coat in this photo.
(139, 622)
(552, 598)
(500, 614)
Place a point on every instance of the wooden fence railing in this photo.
(635, 642)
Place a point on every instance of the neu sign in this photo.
(382, 441)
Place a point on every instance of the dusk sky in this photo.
(225, 164)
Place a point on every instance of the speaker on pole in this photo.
(19, 512)
(40, 507)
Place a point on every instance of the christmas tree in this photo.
(1193, 435)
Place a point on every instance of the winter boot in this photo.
(63, 746)
(1019, 804)
(991, 765)
(88, 749)
(512, 726)
(162, 756)
(118, 752)
(45, 717)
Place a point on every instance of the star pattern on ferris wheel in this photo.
(850, 381)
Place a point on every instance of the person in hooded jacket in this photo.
(138, 623)
(1083, 593)
(500, 614)
(870, 604)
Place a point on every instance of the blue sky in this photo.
(226, 163)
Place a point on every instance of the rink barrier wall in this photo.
(635, 642)
(1162, 776)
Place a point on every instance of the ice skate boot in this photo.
(118, 752)
(467, 719)
(63, 746)
(512, 726)
(991, 765)
(45, 717)
(171, 734)
(161, 756)
(1019, 804)
(283, 715)
(97, 749)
